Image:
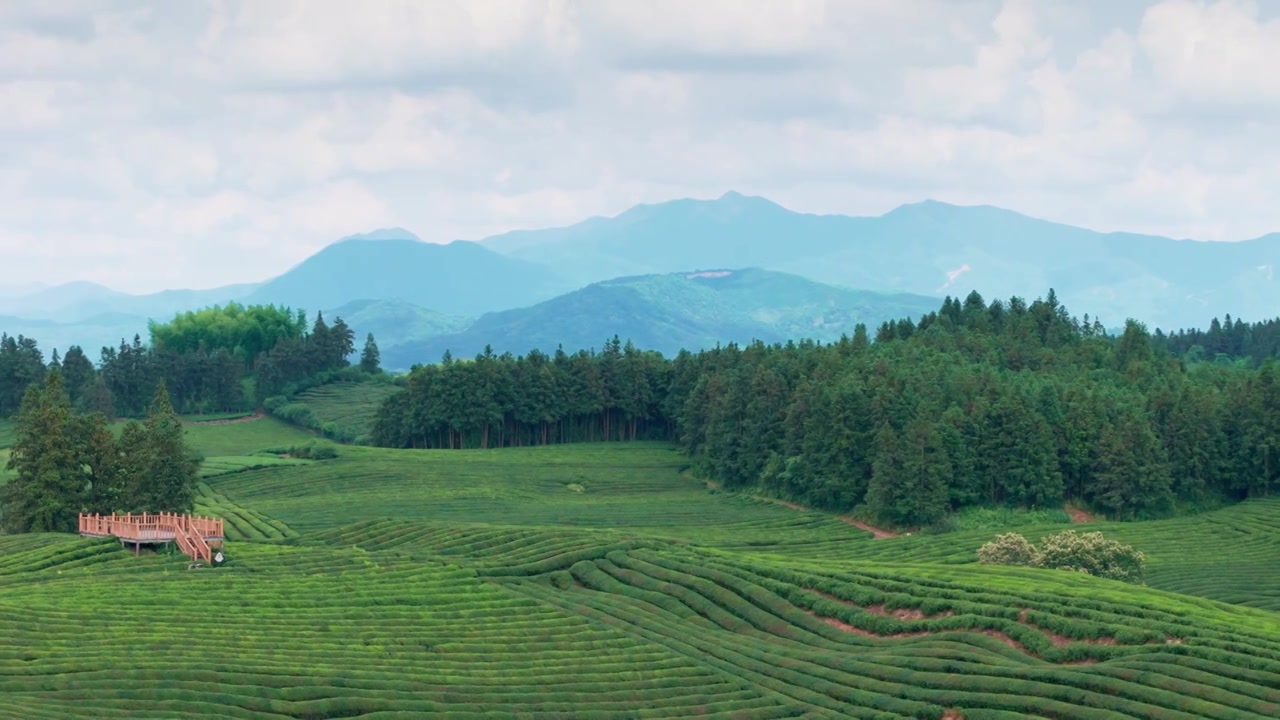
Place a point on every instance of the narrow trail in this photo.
(228, 421)
(876, 533)
(1079, 516)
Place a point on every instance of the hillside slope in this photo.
(930, 248)
(395, 322)
(670, 312)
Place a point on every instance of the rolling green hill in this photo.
(690, 310)
(395, 322)
(603, 581)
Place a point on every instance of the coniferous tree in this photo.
(79, 375)
(370, 358)
(99, 457)
(48, 490)
(172, 470)
(341, 345)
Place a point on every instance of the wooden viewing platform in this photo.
(193, 535)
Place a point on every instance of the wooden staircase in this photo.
(190, 533)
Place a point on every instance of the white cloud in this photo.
(150, 144)
(28, 105)
(1213, 53)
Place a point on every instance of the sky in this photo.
(153, 145)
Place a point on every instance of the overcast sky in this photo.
(191, 144)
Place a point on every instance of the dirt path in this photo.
(229, 421)
(877, 533)
(1056, 639)
(1079, 516)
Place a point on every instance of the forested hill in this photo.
(1000, 403)
(673, 312)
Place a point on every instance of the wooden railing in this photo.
(187, 531)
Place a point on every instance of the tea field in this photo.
(238, 438)
(350, 407)
(601, 581)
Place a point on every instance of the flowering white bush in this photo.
(1008, 549)
(1091, 553)
(1088, 553)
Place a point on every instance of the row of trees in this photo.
(67, 463)
(1226, 340)
(1006, 403)
(497, 401)
(220, 359)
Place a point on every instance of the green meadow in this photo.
(604, 581)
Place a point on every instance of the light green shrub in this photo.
(1088, 553)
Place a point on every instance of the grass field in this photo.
(602, 581)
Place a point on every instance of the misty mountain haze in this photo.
(416, 294)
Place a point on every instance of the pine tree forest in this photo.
(1006, 404)
(1002, 404)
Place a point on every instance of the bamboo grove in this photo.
(1006, 403)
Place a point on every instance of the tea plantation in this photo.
(349, 407)
(601, 581)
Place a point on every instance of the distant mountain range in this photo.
(461, 278)
(929, 248)
(635, 275)
(670, 312)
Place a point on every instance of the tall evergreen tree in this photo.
(172, 470)
(370, 358)
(48, 491)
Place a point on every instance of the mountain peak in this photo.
(391, 233)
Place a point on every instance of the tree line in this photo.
(66, 463)
(1000, 403)
(220, 359)
(1226, 340)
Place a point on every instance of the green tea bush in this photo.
(315, 450)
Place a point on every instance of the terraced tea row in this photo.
(866, 644)
(638, 489)
(314, 633)
(227, 464)
(324, 633)
(350, 407)
(1231, 554)
(239, 523)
